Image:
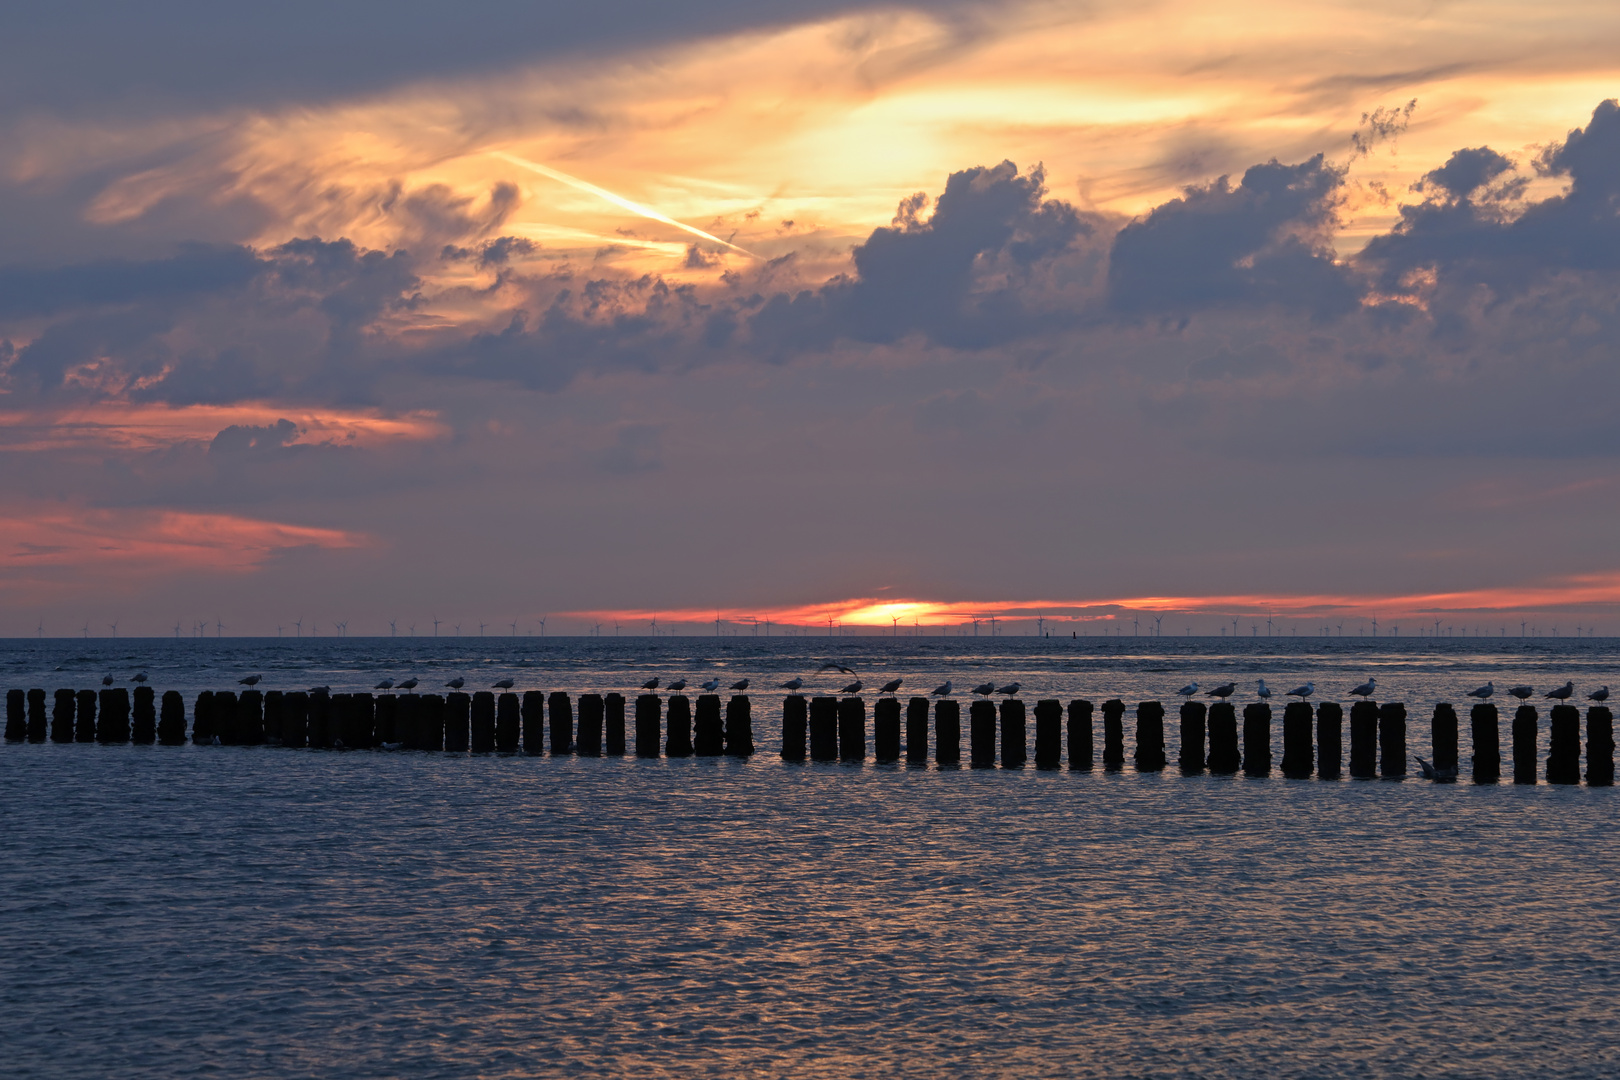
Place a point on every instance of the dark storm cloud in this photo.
(195, 269)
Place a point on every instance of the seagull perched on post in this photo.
(1483, 692)
(891, 687)
(985, 689)
(650, 684)
(106, 680)
(1189, 690)
(1600, 694)
(1264, 691)
(943, 691)
(1521, 692)
(386, 684)
(793, 683)
(740, 685)
(1010, 688)
(1365, 690)
(503, 684)
(712, 685)
(852, 688)
(1223, 691)
(678, 684)
(251, 680)
(1303, 692)
(140, 677)
(408, 684)
(1563, 693)
(456, 683)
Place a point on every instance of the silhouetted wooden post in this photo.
(272, 716)
(1445, 737)
(62, 716)
(613, 725)
(708, 733)
(171, 730)
(508, 724)
(982, 734)
(1487, 739)
(143, 729)
(457, 724)
(948, 733)
(483, 722)
(365, 721)
(795, 728)
(294, 718)
(886, 729)
(1014, 734)
(1150, 736)
(1363, 740)
(917, 730)
(562, 723)
(84, 717)
(1392, 738)
(534, 722)
(250, 718)
(589, 742)
(387, 720)
(1224, 757)
(1564, 745)
(339, 721)
(1081, 756)
(1599, 746)
(678, 724)
(113, 727)
(320, 719)
(649, 726)
(1048, 733)
(739, 726)
(408, 722)
(38, 728)
(16, 716)
(824, 729)
(1113, 711)
(1525, 737)
(1329, 739)
(1193, 717)
(852, 729)
(1298, 757)
(433, 718)
(1257, 739)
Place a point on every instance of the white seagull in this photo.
(1010, 688)
(1365, 690)
(1189, 690)
(1483, 692)
(1264, 691)
(793, 683)
(1521, 692)
(712, 685)
(504, 684)
(1303, 692)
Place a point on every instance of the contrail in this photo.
(616, 200)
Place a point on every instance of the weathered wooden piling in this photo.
(1599, 746)
(62, 707)
(434, 719)
(678, 722)
(1081, 757)
(740, 726)
(1257, 739)
(1525, 737)
(1150, 755)
(613, 725)
(886, 729)
(249, 727)
(534, 722)
(948, 733)
(364, 714)
(16, 716)
(1193, 718)
(202, 718)
(982, 734)
(589, 741)
(457, 724)
(1564, 745)
(1329, 740)
(824, 729)
(113, 727)
(272, 716)
(1298, 761)
(650, 724)
(1224, 757)
(708, 732)
(1113, 711)
(1363, 740)
(917, 730)
(171, 728)
(852, 729)
(508, 723)
(483, 722)
(387, 717)
(294, 718)
(562, 723)
(1048, 733)
(1444, 726)
(1014, 734)
(321, 727)
(38, 728)
(338, 721)
(1486, 733)
(408, 723)
(795, 727)
(1392, 739)
(143, 725)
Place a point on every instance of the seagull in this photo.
(106, 680)
(456, 683)
(1431, 773)
(985, 688)
(650, 684)
(852, 688)
(1223, 691)
(1010, 688)
(891, 687)
(1521, 692)
(793, 683)
(1563, 693)
(834, 667)
(943, 691)
(1364, 691)
(1601, 694)
(251, 680)
(311, 690)
(678, 684)
(386, 684)
(1483, 692)
(1303, 692)
(140, 677)
(504, 684)
(712, 685)
(1264, 691)
(408, 684)
(1189, 690)
(740, 684)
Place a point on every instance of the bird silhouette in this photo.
(793, 683)
(943, 691)
(1364, 691)
(456, 683)
(106, 680)
(1223, 691)
(678, 684)
(1431, 772)
(251, 680)
(1263, 690)
(1600, 694)
(1189, 690)
(408, 684)
(1483, 692)
(386, 684)
(834, 667)
(314, 690)
(1521, 692)
(852, 688)
(1010, 688)
(740, 684)
(1563, 693)
(892, 686)
(503, 684)
(650, 684)
(140, 677)
(711, 686)
(1303, 692)
(985, 688)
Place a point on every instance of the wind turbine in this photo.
(87, 629)
(615, 627)
(1158, 626)
(458, 628)
(393, 629)
(654, 624)
(219, 627)
(114, 626)
(435, 626)
(279, 629)
(542, 621)
(514, 628)
(481, 626)
(177, 630)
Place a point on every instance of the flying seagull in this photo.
(740, 684)
(456, 683)
(1600, 694)
(943, 691)
(504, 684)
(834, 667)
(1483, 692)
(1521, 692)
(408, 684)
(650, 684)
(891, 687)
(1563, 693)
(251, 680)
(1431, 772)
(1303, 692)
(1365, 690)
(1223, 691)
(852, 688)
(1010, 688)
(1264, 691)
(1189, 690)
(793, 683)
(386, 684)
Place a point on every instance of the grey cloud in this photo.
(195, 268)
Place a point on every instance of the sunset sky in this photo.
(882, 314)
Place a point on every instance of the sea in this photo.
(258, 911)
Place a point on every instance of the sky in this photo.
(816, 314)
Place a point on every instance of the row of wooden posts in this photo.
(828, 729)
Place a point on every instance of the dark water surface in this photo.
(255, 911)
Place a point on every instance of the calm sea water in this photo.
(254, 911)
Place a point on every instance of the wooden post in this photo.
(948, 733)
(1048, 733)
(84, 717)
(1525, 737)
(483, 722)
(320, 718)
(1080, 736)
(1257, 739)
(508, 726)
(457, 724)
(1298, 760)
(589, 741)
(338, 721)
(1150, 736)
(852, 729)
(1564, 745)
(1014, 734)
(433, 722)
(1363, 740)
(272, 716)
(171, 729)
(1487, 738)
(1599, 747)
(982, 734)
(886, 729)
(62, 716)
(113, 727)
(824, 729)
(613, 725)
(294, 718)
(649, 724)
(739, 726)
(1113, 711)
(1193, 718)
(1329, 740)
(1224, 758)
(387, 720)
(143, 730)
(1392, 738)
(16, 716)
(562, 723)
(708, 733)
(678, 722)
(917, 730)
(534, 722)
(37, 726)
(1445, 737)
(250, 719)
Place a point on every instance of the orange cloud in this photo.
(130, 426)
